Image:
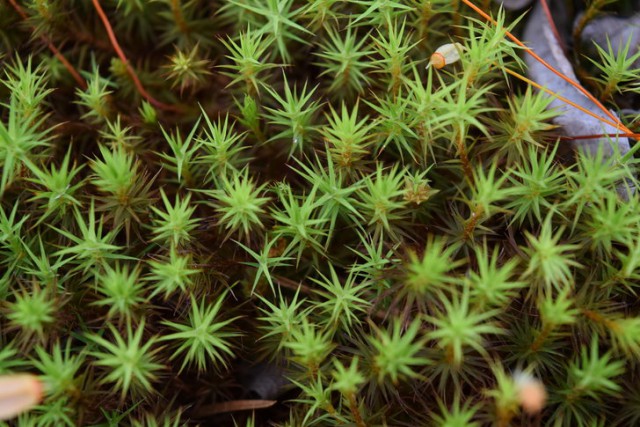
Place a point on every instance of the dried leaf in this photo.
(233, 406)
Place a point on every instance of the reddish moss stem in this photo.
(116, 46)
(472, 222)
(178, 17)
(70, 68)
(464, 158)
(541, 338)
(353, 407)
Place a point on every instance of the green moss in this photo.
(281, 186)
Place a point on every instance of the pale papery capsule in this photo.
(531, 392)
(445, 55)
(18, 393)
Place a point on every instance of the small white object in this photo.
(445, 55)
(18, 393)
(531, 392)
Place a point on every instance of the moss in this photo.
(282, 192)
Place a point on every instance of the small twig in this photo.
(123, 58)
(293, 285)
(234, 405)
(74, 73)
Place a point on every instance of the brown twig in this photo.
(293, 285)
(74, 73)
(235, 405)
(125, 61)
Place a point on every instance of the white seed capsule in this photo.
(18, 393)
(531, 393)
(445, 55)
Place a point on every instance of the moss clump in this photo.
(223, 195)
